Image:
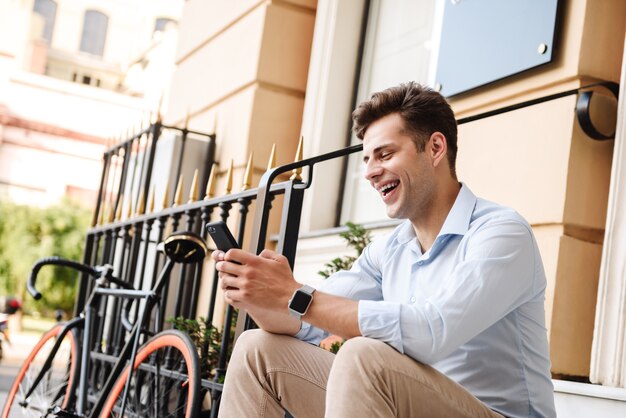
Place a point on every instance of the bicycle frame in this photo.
(129, 351)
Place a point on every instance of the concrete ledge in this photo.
(583, 400)
(587, 389)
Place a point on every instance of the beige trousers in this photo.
(269, 373)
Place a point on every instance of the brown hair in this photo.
(423, 110)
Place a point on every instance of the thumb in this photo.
(271, 255)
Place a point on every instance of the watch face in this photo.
(300, 302)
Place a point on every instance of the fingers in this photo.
(227, 297)
(239, 256)
(229, 282)
(230, 297)
(217, 255)
(272, 255)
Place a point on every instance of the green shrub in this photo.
(356, 237)
(207, 339)
(29, 233)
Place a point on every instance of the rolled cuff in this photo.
(381, 320)
(310, 334)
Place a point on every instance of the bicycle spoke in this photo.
(53, 389)
(157, 390)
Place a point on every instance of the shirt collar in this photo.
(457, 222)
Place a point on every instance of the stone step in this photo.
(583, 400)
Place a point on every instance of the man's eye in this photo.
(385, 156)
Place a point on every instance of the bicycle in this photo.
(54, 378)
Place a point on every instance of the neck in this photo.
(428, 226)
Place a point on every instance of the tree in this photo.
(29, 233)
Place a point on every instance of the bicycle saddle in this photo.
(185, 247)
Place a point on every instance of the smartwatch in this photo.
(300, 301)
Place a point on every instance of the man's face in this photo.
(403, 177)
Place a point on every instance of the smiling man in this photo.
(443, 317)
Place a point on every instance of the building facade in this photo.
(76, 76)
(259, 73)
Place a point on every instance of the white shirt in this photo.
(472, 306)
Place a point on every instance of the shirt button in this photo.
(419, 263)
(412, 299)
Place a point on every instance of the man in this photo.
(444, 317)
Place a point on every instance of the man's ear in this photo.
(437, 148)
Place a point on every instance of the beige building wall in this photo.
(241, 73)
(538, 161)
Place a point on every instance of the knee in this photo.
(248, 353)
(363, 346)
(254, 341)
(361, 351)
(251, 338)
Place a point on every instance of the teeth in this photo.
(388, 186)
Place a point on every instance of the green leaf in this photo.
(357, 237)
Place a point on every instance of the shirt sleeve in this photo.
(495, 274)
(361, 282)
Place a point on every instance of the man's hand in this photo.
(256, 282)
(263, 285)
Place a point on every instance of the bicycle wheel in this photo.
(165, 380)
(57, 385)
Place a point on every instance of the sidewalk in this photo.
(13, 358)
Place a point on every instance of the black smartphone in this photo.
(221, 235)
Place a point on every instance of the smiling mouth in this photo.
(388, 188)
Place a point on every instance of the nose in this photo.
(372, 170)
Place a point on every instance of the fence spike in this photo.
(151, 200)
(296, 172)
(178, 196)
(193, 191)
(166, 198)
(129, 210)
(103, 211)
(229, 179)
(118, 212)
(210, 185)
(214, 123)
(159, 106)
(247, 177)
(187, 117)
(272, 160)
(141, 206)
(111, 215)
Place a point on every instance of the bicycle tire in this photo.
(58, 385)
(152, 391)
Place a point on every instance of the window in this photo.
(161, 23)
(94, 32)
(401, 44)
(47, 9)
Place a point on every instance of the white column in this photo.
(608, 356)
(328, 104)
